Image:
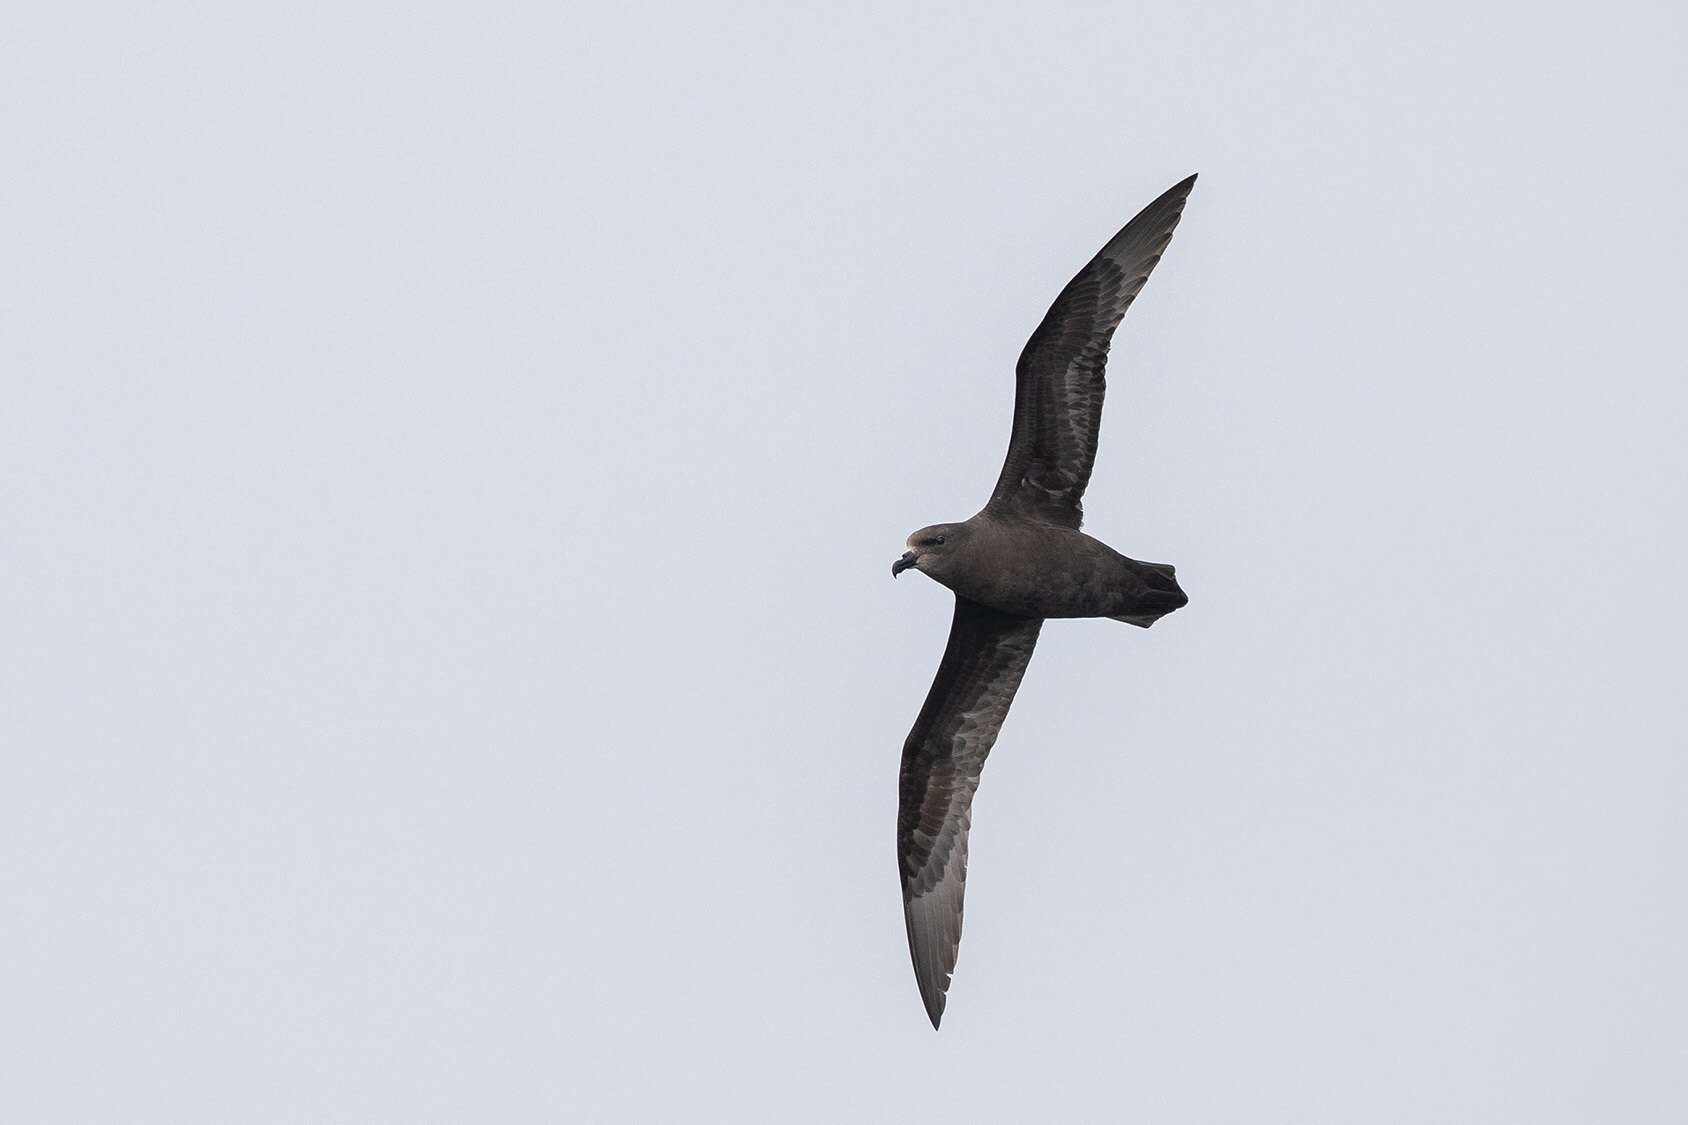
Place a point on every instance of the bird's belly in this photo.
(1036, 585)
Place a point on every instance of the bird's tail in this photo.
(1162, 596)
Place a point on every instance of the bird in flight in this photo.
(1018, 561)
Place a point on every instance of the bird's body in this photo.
(1020, 560)
(1032, 569)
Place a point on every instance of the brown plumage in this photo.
(1020, 560)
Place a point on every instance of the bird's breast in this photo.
(1039, 573)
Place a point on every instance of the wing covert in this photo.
(981, 669)
(1060, 380)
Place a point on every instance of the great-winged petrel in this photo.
(1020, 560)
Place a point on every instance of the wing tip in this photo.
(932, 968)
(934, 939)
(934, 995)
(1178, 191)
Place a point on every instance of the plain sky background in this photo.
(451, 462)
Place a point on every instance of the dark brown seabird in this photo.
(1020, 560)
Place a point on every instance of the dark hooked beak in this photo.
(902, 564)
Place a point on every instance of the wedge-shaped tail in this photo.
(1163, 596)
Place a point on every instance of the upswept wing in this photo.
(1059, 381)
(942, 759)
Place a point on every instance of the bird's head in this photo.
(930, 548)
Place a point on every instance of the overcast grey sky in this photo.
(451, 461)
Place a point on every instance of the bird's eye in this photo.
(939, 540)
